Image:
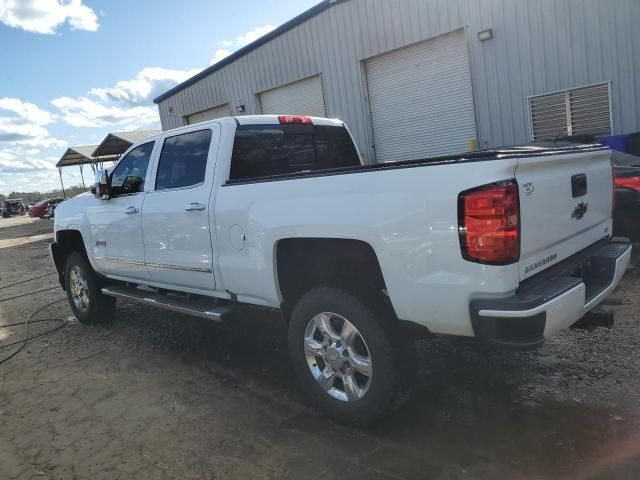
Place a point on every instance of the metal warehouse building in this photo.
(416, 78)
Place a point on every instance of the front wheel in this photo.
(83, 287)
(343, 357)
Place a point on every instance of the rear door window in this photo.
(183, 160)
(265, 150)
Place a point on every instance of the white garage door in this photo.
(210, 114)
(421, 100)
(298, 98)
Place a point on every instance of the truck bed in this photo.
(468, 157)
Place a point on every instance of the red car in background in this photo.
(41, 209)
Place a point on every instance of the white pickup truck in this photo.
(508, 246)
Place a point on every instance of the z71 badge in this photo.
(101, 243)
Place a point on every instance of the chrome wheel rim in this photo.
(338, 357)
(79, 289)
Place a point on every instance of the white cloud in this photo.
(22, 137)
(127, 105)
(219, 54)
(144, 87)
(26, 165)
(229, 46)
(24, 122)
(26, 110)
(45, 16)
(253, 35)
(85, 112)
(31, 181)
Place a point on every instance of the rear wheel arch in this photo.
(306, 263)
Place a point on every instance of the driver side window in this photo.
(128, 177)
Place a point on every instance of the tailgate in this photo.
(565, 206)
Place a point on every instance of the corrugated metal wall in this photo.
(538, 46)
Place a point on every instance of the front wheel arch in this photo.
(67, 242)
(98, 307)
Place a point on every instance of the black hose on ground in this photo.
(26, 281)
(28, 293)
(26, 324)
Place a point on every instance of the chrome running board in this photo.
(202, 307)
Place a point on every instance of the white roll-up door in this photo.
(209, 114)
(421, 100)
(298, 98)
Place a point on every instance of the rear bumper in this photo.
(553, 300)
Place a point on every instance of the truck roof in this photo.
(255, 120)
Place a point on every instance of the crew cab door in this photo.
(116, 224)
(176, 217)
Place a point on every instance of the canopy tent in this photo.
(116, 143)
(80, 155)
(113, 145)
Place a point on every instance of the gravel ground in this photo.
(159, 395)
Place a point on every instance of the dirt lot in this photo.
(159, 395)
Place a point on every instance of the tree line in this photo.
(31, 197)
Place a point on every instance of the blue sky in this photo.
(73, 70)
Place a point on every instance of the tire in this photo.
(370, 396)
(89, 305)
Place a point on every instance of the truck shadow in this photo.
(470, 411)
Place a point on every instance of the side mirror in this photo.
(102, 189)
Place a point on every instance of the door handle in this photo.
(194, 206)
(131, 210)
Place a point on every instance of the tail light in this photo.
(632, 183)
(295, 119)
(614, 185)
(489, 223)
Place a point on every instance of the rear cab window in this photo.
(280, 149)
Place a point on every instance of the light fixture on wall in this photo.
(240, 109)
(485, 35)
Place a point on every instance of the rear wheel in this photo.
(83, 286)
(343, 356)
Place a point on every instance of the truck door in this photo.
(116, 224)
(175, 218)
